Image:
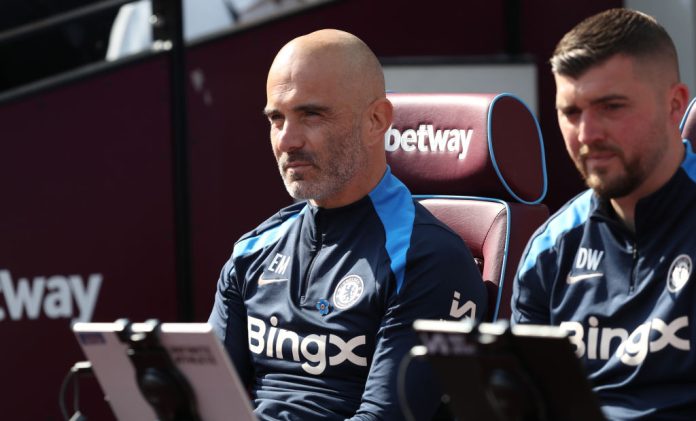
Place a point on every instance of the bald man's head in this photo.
(341, 57)
(328, 111)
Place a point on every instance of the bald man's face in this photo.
(316, 128)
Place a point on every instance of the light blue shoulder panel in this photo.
(265, 238)
(689, 163)
(394, 206)
(572, 216)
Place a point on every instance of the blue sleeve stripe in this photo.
(572, 216)
(265, 238)
(689, 163)
(394, 206)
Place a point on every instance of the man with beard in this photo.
(316, 304)
(613, 267)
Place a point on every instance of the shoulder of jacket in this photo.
(269, 231)
(572, 215)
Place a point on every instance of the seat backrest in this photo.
(476, 161)
(688, 123)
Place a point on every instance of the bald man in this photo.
(316, 304)
(614, 267)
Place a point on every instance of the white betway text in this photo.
(54, 296)
(427, 139)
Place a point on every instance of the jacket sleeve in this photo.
(228, 319)
(438, 285)
(530, 296)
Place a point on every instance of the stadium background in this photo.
(87, 186)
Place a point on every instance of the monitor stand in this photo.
(159, 381)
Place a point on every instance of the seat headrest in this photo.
(467, 145)
(688, 123)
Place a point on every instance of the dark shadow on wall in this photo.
(56, 50)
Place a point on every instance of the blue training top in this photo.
(627, 300)
(316, 306)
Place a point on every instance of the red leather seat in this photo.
(688, 123)
(476, 161)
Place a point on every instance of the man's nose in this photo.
(289, 137)
(589, 129)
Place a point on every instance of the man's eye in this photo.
(613, 106)
(570, 113)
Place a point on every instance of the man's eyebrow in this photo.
(609, 98)
(566, 107)
(304, 108)
(314, 108)
(600, 100)
(268, 111)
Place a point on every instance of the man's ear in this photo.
(379, 119)
(678, 101)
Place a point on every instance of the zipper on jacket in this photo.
(632, 280)
(313, 252)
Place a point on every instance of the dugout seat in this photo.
(476, 161)
(688, 123)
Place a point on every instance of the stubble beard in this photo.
(607, 185)
(345, 157)
(633, 172)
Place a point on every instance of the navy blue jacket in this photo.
(628, 301)
(316, 306)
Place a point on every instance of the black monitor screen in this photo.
(497, 372)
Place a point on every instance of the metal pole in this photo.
(513, 37)
(168, 29)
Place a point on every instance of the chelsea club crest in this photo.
(348, 291)
(679, 273)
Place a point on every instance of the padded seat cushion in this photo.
(485, 226)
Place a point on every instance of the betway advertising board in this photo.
(86, 227)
